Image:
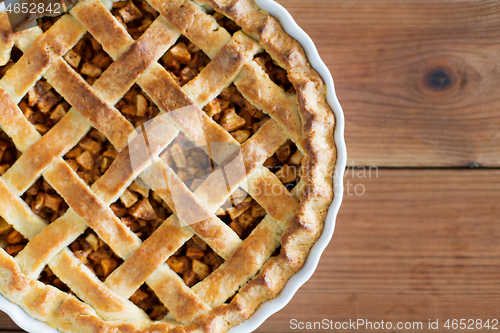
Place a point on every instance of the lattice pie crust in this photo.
(85, 248)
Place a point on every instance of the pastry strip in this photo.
(155, 250)
(190, 19)
(40, 56)
(55, 143)
(222, 70)
(14, 123)
(18, 214)
(89, 104)
(7, 38)
(218, 235)
(243, 264)
(272, 195)
(81, 280)
(256, 86)
(90, 208)
(254, 152)
(103, 26)
(168, 286)
(37, 253)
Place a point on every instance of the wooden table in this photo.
(419, 82)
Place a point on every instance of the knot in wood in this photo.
(440, 78)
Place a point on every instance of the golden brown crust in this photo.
(137, 59)
(13, 122)
(91, 209)
(304, 117)
(82, 281)
(169, 237)
(192, 22)
(50, 46)
(222, 70)
(78, 93)
(7, 38)
(18, 213)
(39, 251)
(103, 26)
(255, 85)
(222, 239)
(57, 142)
(55, 307)
(121, 173)
(273, 196)
(169, 98)
(183, 303)
(245, 262)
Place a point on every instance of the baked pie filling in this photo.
(137, 254)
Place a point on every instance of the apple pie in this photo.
(98, 104)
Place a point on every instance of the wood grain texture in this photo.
(417, 245)
(419, 81)
(6, 324)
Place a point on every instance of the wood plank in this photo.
(418, 80)
(6, 324)
(418, 245)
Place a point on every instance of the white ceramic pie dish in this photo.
(269, 308)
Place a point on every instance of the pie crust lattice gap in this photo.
(294, 121)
